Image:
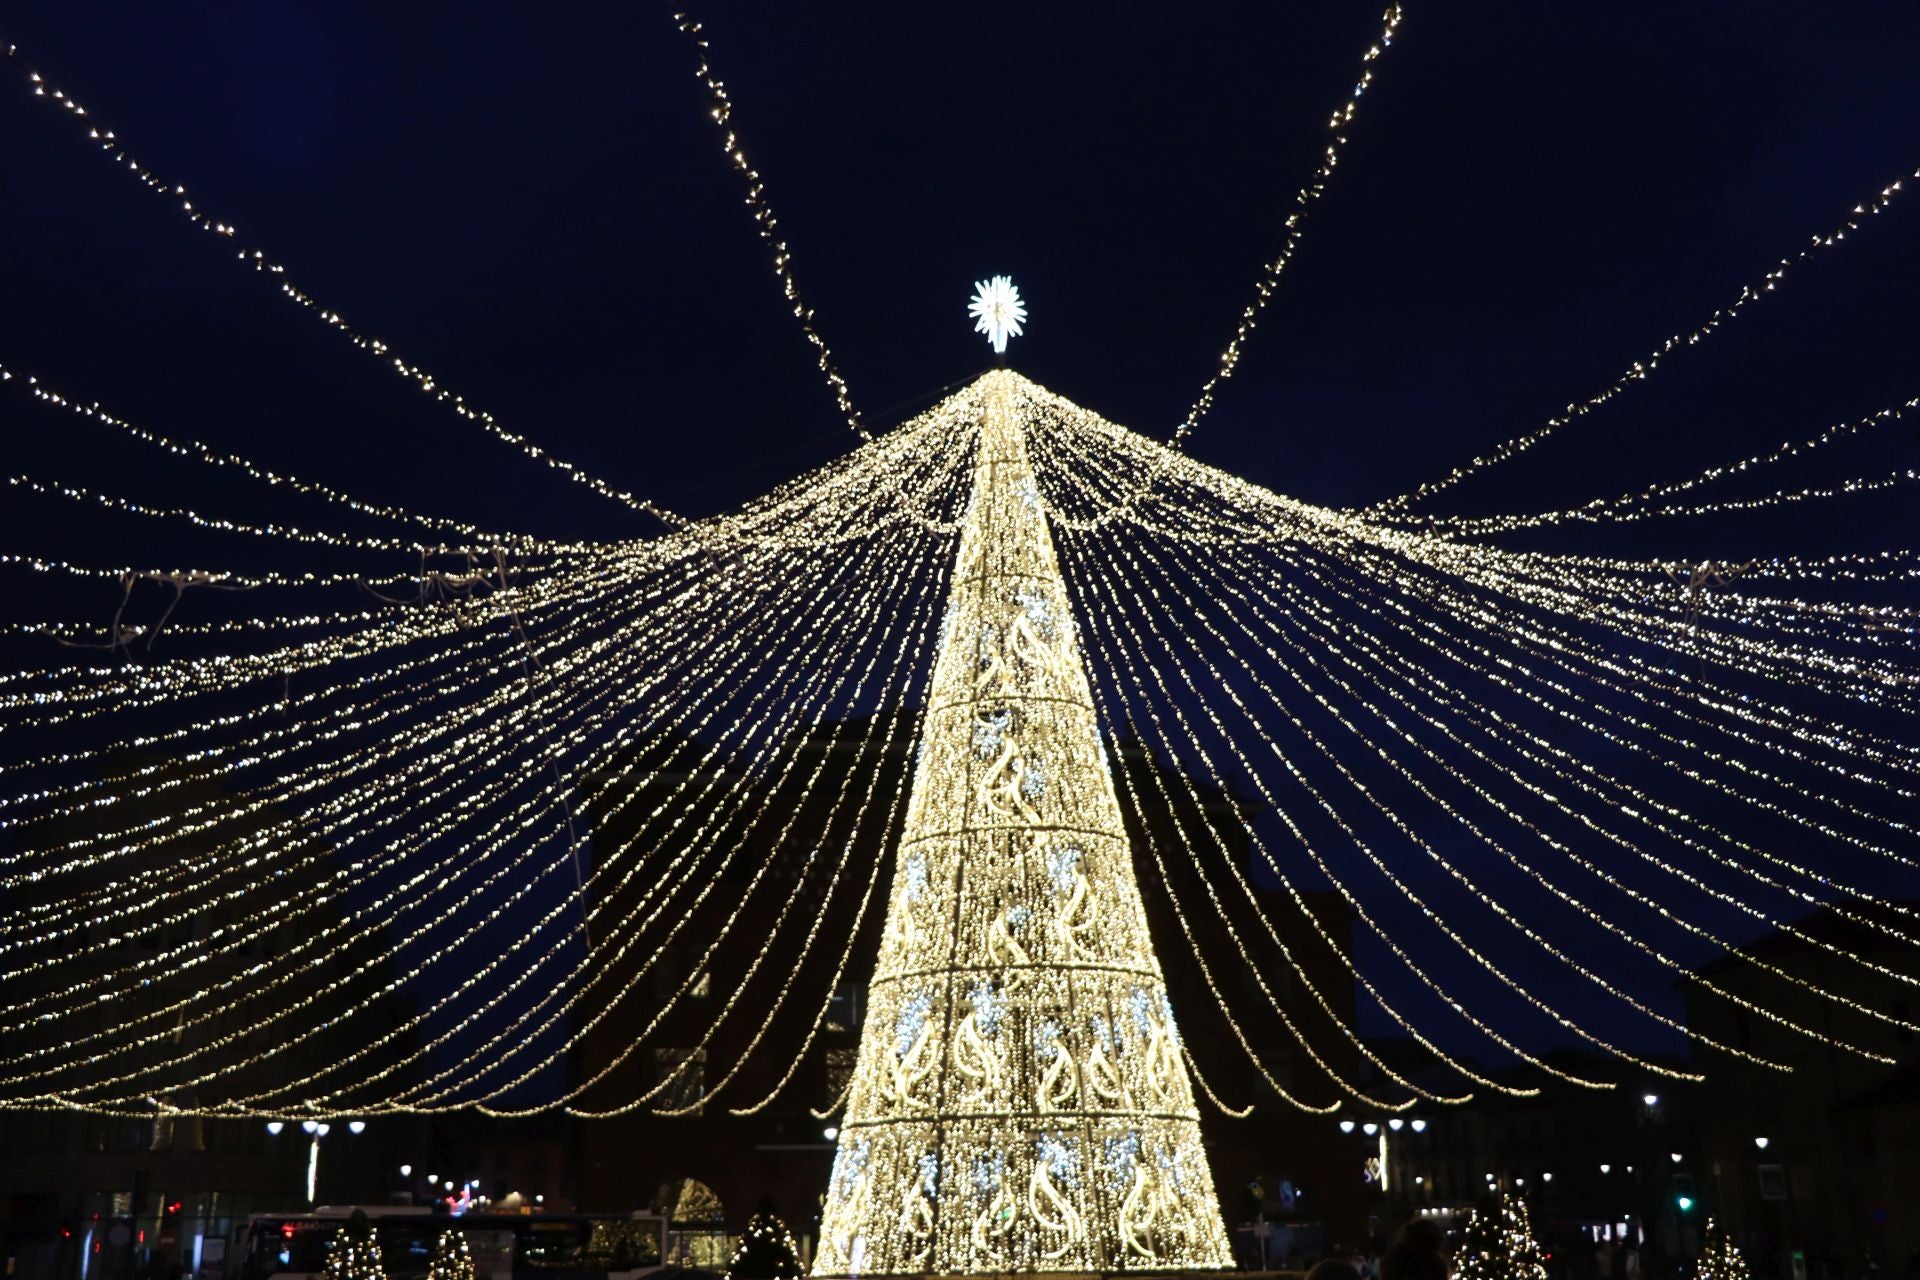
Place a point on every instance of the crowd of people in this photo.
(1418, 1252)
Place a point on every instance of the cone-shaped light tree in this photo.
(1021, 1098)
(1498, 1244)
(452, 1258)
(767, 1251)
(1720, 1259)
(355, 1253)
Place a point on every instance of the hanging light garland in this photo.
(765, 223)
(1337, 125)
(399, 777)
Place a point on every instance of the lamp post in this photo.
(316, 1130)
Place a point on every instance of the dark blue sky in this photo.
(529, 200)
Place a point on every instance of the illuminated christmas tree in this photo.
(1021, 1099)
(1720, 1259)
(354, 1253)
(1498, 1244)
(767, 1250)
(452, 1259)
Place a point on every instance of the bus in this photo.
(505, 1246)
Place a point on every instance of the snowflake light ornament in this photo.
(997, 311)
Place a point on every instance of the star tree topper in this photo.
(997, 311)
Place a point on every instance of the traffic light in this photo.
(1683, 1192)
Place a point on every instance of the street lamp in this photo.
(1346, 1126)
(1676, 1157)
(406, 1171)
(1419, 1126)
(1651, 1099)
(356, 1126)
(1395, 1123)
(274, 1127)
(830, 1133)
(313, 1159)
(1369, 1128)
(1760, 1143)
(1606, 1168)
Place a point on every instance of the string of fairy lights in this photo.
(1248, 586)
(765, 224)
(1296, 223)
(110, 144)
(1644, 368)
(1247, 580)
(524, 802)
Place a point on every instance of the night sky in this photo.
(530, 201)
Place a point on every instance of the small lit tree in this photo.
(1498, 1244)
(1720, 1259)
(767, 1250)
(355, 1254)
(452, 1258)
